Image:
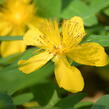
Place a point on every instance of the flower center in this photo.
(19, 13)
(17, 18)
(58, 50)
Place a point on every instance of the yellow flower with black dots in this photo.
(59, 47)
(15, 15)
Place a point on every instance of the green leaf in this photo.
(103, 40)
(10, 38)
(48, 8)
(12, 80)
(79, 8)
(102, 103)
(9, 59)
(1, 1)
(23, 98)
(45, 93)
(29, 53)
(89, 21)
(102, 4)
(54, 99)
(83, 105)
(65, 3)
(13, 59)
(6, 102)
(70, 101)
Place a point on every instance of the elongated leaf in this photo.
(9, 38)
(9, 59)
(13, 59)
(84, 105)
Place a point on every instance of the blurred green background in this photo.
(39, 90)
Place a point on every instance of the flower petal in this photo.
(26, 1)
(5, 28)
(18, 31)
(36, 21)
(34, 37)
(68, 77)
(12, 47)
(89, 54)
(51, 31)
(73, 31)
(35, 62)
(44, 35)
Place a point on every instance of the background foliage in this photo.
(39, 89)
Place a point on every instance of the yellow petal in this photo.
(89, 54)
(18, 31)
(35, 62)
(36, 21)
(5, 28)
(12, 47)
(34, 37)
(44, 35)
(51, 31)
(26, 1)
(68, 77)
(73, 31)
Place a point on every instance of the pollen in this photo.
(58, 50)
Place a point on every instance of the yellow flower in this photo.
(60, 47)
(15, 15)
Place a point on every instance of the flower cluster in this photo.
(17, 18)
